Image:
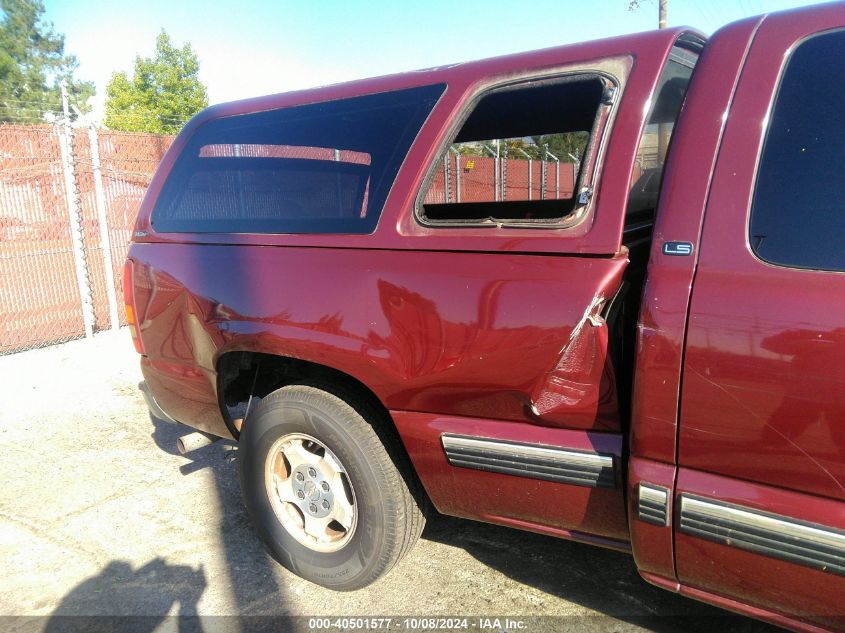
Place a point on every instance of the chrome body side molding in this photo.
(535, 461)
(799, 542)
(653, 504)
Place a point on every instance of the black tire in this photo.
(389, 519)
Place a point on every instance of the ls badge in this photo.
(677, 248)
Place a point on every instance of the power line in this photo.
(707, 8)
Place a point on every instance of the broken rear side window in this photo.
(318, 168)
(520, 156)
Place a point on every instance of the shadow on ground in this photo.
(134, 593)
(138, 600)
(603, 581)
(599, 579)
(250, 568)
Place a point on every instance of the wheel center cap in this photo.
(312, 490)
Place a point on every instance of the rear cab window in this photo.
(319, 168)
(654, 143)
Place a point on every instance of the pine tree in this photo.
(33, 63)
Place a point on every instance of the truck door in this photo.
(760, 495)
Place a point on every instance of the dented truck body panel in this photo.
(425, 331)
(430, 332)
(712, 450)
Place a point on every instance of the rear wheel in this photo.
(324, 494)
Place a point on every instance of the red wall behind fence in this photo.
(477, 178)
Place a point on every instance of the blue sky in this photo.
(261, 47)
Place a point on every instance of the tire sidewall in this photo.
(289, 411)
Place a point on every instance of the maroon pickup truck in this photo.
(593, 291)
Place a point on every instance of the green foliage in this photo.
(164, 92)
(565, 145)
(33, 63)
(519, 149)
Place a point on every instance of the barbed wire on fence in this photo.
(14, 111)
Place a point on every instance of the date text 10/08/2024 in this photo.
(416, 624)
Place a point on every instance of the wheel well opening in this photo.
(246, 377)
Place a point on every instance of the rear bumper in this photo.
(184, 393)
(153, 406)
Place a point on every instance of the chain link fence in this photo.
(68, 201)
(469, 178)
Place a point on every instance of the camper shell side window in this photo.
(524, 156)
(318, 168)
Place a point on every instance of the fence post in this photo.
(496, 185)
(102, 218)
(495, 156)
(543, 179)
(557, 179)
(447, 186)
(457, 176)
(83, 280)
(530, 177)
(530, 170)
(503, 176)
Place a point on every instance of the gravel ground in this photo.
(100, 516)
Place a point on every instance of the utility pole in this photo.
(661, 11)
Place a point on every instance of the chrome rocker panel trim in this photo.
(534, 461)
(792, 540)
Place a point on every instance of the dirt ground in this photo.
(100, 516)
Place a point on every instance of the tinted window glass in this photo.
(799, 200)
(320, 168)
(654, 143)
